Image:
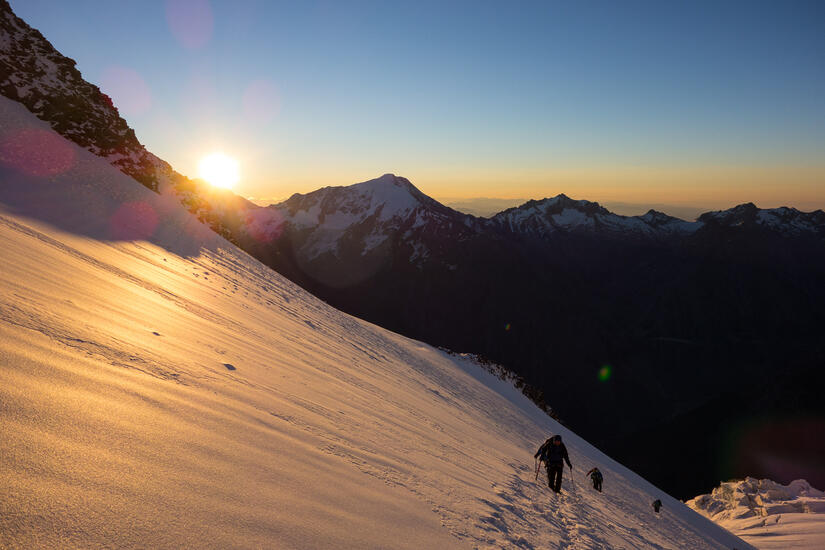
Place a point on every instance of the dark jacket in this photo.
(551, 453)
(594, 474)
(556, 453)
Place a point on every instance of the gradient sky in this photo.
(691, 103)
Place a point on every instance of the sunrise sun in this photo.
(219, 170)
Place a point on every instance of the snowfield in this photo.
(769, 515)
(159, 388)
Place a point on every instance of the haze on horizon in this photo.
(697, 106)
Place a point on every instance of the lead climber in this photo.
(553, 453)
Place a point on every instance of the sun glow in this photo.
(219, 170)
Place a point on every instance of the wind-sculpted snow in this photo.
(159, 388)
(767, 514)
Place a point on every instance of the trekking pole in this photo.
(537, 469)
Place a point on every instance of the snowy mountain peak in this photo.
(384, 197)
(655, 215)
(562, 201)
(563, 214)
(395, 194)
(784, 220)
(361, 217)
(732, 216)
(386, 179)
(657, 219)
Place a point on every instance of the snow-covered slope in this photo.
(767, 514)
(160, 388)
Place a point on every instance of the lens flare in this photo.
(604, 373)
(219, 170)
(191, 22)
(133, 221)
(36, 152)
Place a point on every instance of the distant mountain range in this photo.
(486, 207)
(357, 219)
(659, 339)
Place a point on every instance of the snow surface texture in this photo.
(159, 388)
(767, 514)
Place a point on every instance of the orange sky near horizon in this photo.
(716, 187)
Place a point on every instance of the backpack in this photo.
(597, 475)
(543, 450)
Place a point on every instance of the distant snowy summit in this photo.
(362, 217)
(784, 220)
(382, 199)
(768, 514)
(563, 214)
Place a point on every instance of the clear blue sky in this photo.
(662, 101)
